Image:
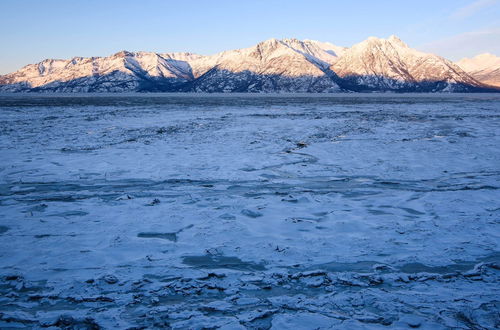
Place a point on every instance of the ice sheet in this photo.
(191, 211)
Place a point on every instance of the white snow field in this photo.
(191, 211)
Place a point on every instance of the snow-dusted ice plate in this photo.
(241, 211)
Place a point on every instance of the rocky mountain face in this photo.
(484, 68)
(287, 65)
(123, 71)
(389, 64)
(272, 65)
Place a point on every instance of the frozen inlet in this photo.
(249, 211)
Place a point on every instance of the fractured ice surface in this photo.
(247, 211)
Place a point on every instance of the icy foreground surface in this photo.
(250, 211)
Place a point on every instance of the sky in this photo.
(33, 30)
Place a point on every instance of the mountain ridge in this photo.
(273, 65)
(483, 67)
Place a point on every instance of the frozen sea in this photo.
(360, 211)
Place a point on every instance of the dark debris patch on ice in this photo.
(3, 229)
(168, 236)
(222, 262)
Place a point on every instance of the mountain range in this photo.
(287, 65)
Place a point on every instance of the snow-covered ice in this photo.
(250, 211)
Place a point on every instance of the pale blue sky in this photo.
(32, 30)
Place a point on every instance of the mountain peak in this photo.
(486, 56)
(295, 40)
(484, 67)
(271, 41)
(267, 46)
(123, 53)
(395, 40)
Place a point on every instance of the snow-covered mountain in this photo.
(123, 71)
(484, 68)
(287, 65)
(273, 65)
(389, 64)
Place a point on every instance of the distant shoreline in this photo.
(229, 95)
